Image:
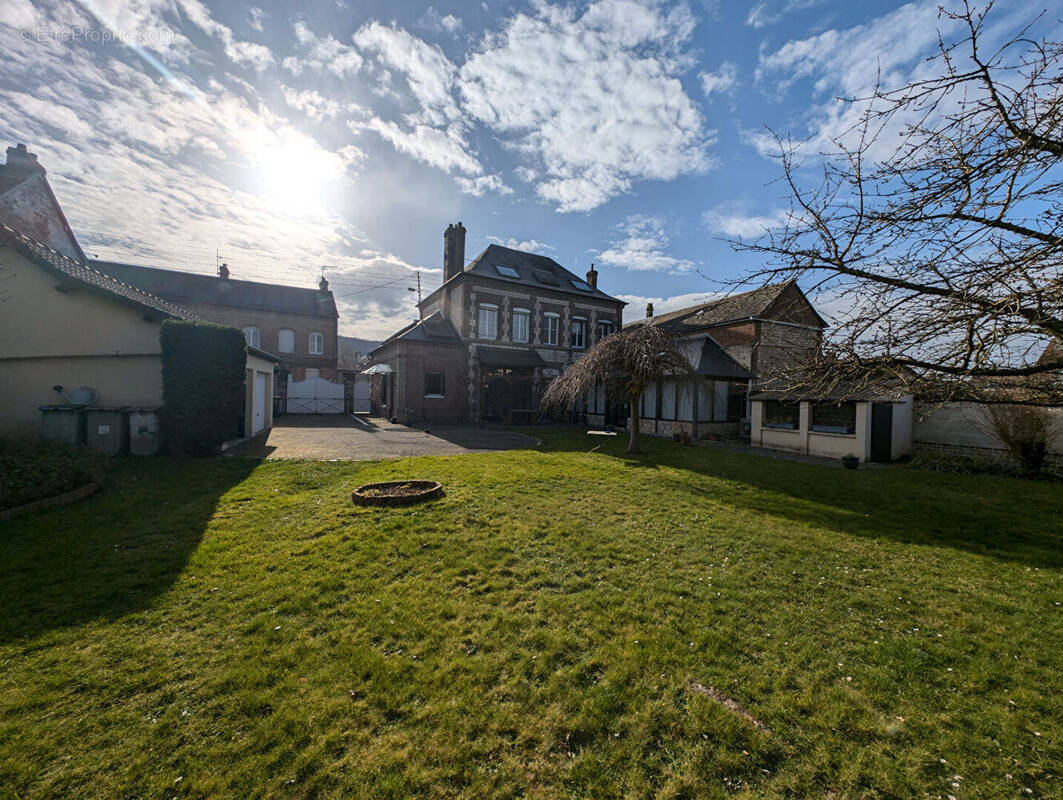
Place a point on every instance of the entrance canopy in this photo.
(497, 357)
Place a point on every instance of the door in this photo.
(259, 422)
(881, 431)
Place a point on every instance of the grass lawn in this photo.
(225, 628)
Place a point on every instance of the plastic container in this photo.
(143, 431)
(107, 429)
(64, 423)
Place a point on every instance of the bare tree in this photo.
(939, 217)
(1026, 432)
(623, 363)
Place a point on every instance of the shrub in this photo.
(202, 385)
(35, 470)
(1026, 431)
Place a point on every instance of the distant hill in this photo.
(352, 350)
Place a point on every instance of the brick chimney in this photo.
(592, 277)
(21, 161)
(453, 251)
(649, 310)
(223, 272)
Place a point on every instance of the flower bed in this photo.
(396, 493)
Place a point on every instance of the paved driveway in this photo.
(327, 437)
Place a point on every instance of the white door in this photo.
(259, 403)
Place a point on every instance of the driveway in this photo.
(330, 437)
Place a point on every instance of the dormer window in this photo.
(583, 286)
(506, 272)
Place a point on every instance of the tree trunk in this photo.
(633, 423)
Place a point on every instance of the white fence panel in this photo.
(315, 396)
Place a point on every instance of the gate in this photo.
(315, 396)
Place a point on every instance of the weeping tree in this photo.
(623, 364)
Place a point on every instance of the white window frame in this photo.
(605, 323)
(252, 335)
(525, 314)
(480, 317)
(320, 338)
(280, 341)
(547, 316)
(579, 322)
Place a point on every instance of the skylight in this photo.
(507, 272)
(583, 286)
(546, 277)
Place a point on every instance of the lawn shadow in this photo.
(114, 553)
(1003, 518)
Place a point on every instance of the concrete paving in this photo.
(332, 437)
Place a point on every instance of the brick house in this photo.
(732, 342)
(491, 337)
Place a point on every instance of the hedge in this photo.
(202, 385)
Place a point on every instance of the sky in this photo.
(342, 136)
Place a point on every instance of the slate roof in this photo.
(535, 271)
(435, 328)
(85, 275)
(735, 307)
(1053, 352)
(714, 362)
(836, 391)
(188, 287)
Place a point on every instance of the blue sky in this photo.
(349, 134)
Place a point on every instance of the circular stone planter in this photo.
(396, 493)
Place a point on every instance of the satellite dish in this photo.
(83, 396)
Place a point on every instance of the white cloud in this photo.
(249, 54)
(434, 21)
(763, 14)
(483, 184)
(593, 99)
(321, 53)
(732, 221)
(440, 148)
(255, 16)
(527, 245)
(316, 106)
(642, 247)
(428, 72)
(723, 80)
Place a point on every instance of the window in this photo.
(834, 417)
(548, 278)
(778, 414)
(285, 341)
(583, 286)
(506, 272)
(317, 343)
(488, 321)
(551, 328)
(605, 327)
(579, 333)
(667, 400)
(434, 384)
(521, 317)
(252, 334)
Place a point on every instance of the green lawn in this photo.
(224, 628)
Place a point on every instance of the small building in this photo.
(732, 342)
(873, 423)
(490, 338)
(66, 325)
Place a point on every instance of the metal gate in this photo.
(315, 396)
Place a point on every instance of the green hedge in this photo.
(202, 385)
(36, 470)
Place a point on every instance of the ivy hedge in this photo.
(202, 385)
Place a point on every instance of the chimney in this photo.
(322, 284)
(592, 277)
(649, 310)
(21, 161)
(453, 251)
(223, 272)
